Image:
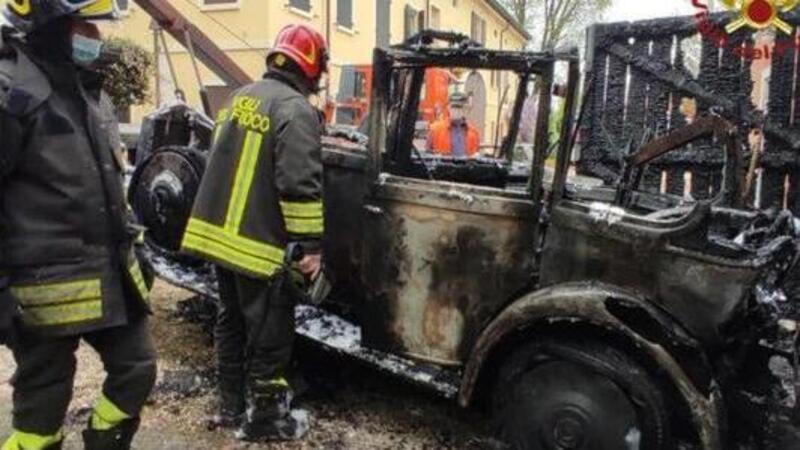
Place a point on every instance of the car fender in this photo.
(624, 314)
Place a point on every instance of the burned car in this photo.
(602, 318)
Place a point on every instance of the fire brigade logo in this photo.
(760, 14)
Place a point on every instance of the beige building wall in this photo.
(246, 28)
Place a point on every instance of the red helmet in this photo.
(305, 46)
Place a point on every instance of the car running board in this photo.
(331, 332)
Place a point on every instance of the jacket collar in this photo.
(294, 81)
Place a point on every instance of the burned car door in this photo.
(447, 244)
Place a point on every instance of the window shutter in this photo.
(473, 31)
(304, 5)
(344, 13)
(384, 23)
(347, 84)
(410, 22)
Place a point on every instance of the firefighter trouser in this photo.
(46, 370)
(254, 332)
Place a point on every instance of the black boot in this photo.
(117, 438)
(270, 418)
(231, 406)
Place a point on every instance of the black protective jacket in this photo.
(263, 185)
(64, 244)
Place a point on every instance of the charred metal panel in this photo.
(672, 262)
(443, 260)
(344, 186)
(651, 75)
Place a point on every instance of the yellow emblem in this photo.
(760, 14)
(21, 7)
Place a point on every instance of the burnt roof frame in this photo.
(391, 140)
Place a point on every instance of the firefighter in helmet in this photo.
(261, 192)
(67, 267)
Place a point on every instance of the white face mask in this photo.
(85, 50)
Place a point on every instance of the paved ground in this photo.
(353, 407)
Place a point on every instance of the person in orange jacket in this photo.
(453, 135)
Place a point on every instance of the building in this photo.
(246, 28)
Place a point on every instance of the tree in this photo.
(562, 17)
(521, 9)
(552, 21)
(127, 68)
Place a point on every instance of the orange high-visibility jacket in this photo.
(439, 139)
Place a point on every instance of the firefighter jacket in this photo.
(64, 245)
(263, 185)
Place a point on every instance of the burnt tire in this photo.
(561, 394)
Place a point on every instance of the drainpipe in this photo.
(330, 46)
(427, 14)
(154, 27)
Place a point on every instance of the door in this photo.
(383, 22)
(446, 244)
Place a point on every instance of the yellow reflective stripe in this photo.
(255, 248)
(98, 8)
(205, 246)
(138, 280)
(304, 226)
(28, 441)
(44, 294)
(280, 381)
(245, 174)
(63, 314)
(107, 415)
(302, 210)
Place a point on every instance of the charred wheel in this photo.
(582, 395)
(162, 192)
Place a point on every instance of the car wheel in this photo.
(582, 395)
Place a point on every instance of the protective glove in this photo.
(9, 310)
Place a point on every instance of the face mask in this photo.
(85, 51)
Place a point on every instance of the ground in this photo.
(353, 407)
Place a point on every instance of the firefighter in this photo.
(261, 192)
(453, 135)
(66, 257)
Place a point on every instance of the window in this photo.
(210, 2)
(360, 88)
(478, 29)
(344, 13)
(303, 5)
(205, 2)
(436, 17)
(411, 24)
(123, 5)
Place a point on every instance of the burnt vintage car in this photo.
(602, 318)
